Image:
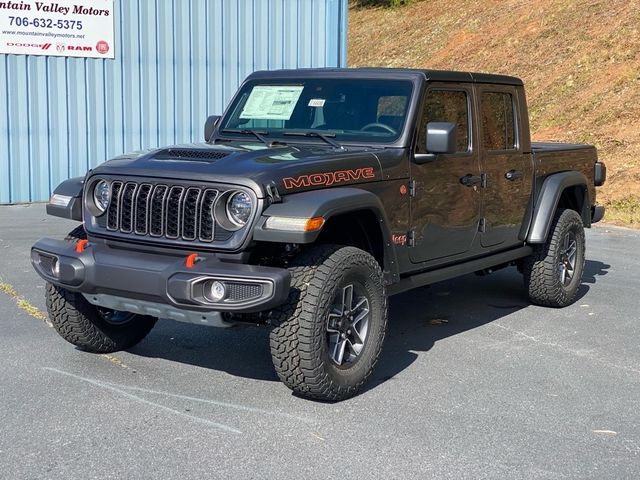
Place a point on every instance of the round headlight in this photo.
(101, 195)
(239, 208)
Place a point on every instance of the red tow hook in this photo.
(191, 260)
(81, 245)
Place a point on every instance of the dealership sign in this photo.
(65, 28)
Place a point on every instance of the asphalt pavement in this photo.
(473, 383)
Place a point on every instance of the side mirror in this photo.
(441, 137)
(210, 126)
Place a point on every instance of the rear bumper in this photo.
(597, 213)
(159, 278)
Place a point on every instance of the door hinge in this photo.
(483, 180)
(482, 225)
(411, 238)
(412, 188)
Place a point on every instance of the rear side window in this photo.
(446, 106)
(498, 122)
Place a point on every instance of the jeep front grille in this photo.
(174, 212)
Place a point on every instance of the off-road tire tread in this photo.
(540, 268)
(295, 350)
(74, 318)
(70, 319)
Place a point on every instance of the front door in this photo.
(445, 212)
(508, 169)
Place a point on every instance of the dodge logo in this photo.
(42, 46)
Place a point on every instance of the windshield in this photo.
(350, 110)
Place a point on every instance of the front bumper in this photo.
(159, 278)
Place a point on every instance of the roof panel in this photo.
(435, 75)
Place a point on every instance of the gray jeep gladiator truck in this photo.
(314, 197)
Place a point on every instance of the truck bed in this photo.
(551, 158)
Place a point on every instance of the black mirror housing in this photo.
(441, 137)
(210, 126)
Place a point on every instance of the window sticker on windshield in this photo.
(316, 102)
(271, 102)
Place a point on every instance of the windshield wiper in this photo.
(322, 136)
(248, 131)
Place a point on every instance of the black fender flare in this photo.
(69, 188)
(326, 203)
(547, 203)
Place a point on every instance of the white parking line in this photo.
(214, 402)
(97, 383)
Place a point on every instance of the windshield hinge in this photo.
(411, 238)
(272, 192)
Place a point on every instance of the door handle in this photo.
(471, 180)
(513, 175)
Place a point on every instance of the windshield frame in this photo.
(299, 76)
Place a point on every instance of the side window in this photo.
(446, 106)
(498, 122)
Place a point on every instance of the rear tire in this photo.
(90, 328)
(327, 338)
(553, 273)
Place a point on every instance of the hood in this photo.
(291, 168)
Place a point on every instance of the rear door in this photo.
(508, 169)
(444, 212)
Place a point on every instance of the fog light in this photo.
(217, 291)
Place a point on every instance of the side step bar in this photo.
(440, 274)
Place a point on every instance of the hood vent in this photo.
(190, 154)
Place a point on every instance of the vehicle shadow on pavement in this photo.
(417, 320)
(593, 269)
(242, 351)
(420, 318)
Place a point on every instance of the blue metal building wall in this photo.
(177, 61)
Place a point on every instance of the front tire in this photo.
(553, 273)
(327, 338)
(91, 328)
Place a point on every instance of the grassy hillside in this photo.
(580, 61)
